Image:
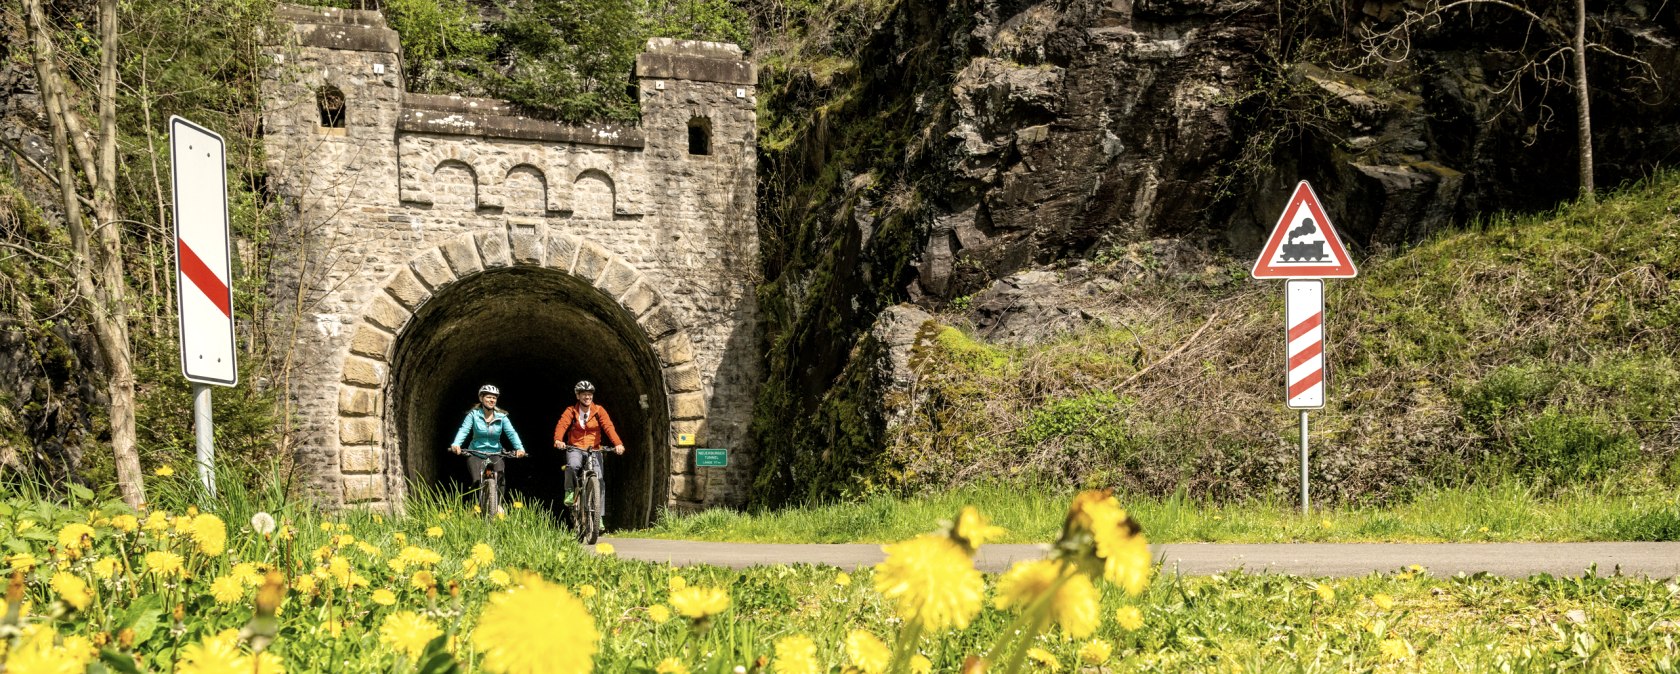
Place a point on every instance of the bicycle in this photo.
(489, 498)
(586, 510)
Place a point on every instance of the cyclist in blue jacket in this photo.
(486, 425)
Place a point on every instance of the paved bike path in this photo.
(1656, 560)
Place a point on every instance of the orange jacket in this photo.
(588, 433)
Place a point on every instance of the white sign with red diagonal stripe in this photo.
(1304, 309)
(203, 298)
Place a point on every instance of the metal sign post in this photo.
(203, 265)
(1304, 249)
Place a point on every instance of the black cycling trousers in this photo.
(476, 466)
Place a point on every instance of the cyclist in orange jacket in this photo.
(583, 425)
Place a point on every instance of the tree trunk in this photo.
(98, 260)
(1583, 119)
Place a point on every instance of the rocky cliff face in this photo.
(973, 140)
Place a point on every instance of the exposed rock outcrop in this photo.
(976, 140)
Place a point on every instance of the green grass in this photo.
(1504, 511)
(1226, 623)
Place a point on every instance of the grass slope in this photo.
(1538, 348)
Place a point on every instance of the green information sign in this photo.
(711, 458)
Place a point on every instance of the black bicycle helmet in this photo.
(583, 386)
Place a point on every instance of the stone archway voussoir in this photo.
(674, 350)
(617, 278)
(433, 269)
(462, 255)
(493, 246)
(562, 252)
(407, 289)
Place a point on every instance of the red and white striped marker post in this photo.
(1304, 249)
(1304, 314)
(203, 267)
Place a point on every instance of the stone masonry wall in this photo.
(417, 191)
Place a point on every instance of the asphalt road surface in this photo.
(1655, 560)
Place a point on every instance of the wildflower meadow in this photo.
(263, 586)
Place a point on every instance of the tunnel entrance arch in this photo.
(532, 332)
(532, 315)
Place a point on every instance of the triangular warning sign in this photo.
(1304, 244)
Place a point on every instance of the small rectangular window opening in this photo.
(330, 101)
(699, 136)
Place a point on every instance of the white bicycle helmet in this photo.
(583, 386)
(490, 389)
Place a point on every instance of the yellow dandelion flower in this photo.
(384, 597)
(162, 563)
(586, 591)
(676, 583)
(698, 603)
(518, 505)
(1382, 601)
(1096, 652)
(973, 529)
(72, 589)
(1324, 591)
(23, 561)
(164, 471)
(407, 632)
(125, 523)
(210, 533)
(932, 579)
(795, 655)
(536, 628)
(227, 589)
(106, 567)
(36, 652)
(867, 653)
(400, 537)
(843, 579)
(659, 614)
(500, 577)
(1325, 524)
(156, 522)
(1129, 618)
(247, 573)
(434, 532)
(1077, 605)
(670, 666)
(422, 580)
(304, 584)
(482, 554)
(1044, 658)
(1120, 543)
(220, 654)
(919, 664)
(604, 549)
(1394, 650)
(75, 537)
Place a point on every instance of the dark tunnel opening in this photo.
(533, 333)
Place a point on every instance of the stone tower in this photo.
(442, 242)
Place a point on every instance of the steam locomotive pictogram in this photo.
(1292, 251)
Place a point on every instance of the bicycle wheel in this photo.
(489, 497)
(589, 502)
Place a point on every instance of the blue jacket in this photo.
(487, 436)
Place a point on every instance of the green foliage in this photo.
(438, 36)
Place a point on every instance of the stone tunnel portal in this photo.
(533, 332)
